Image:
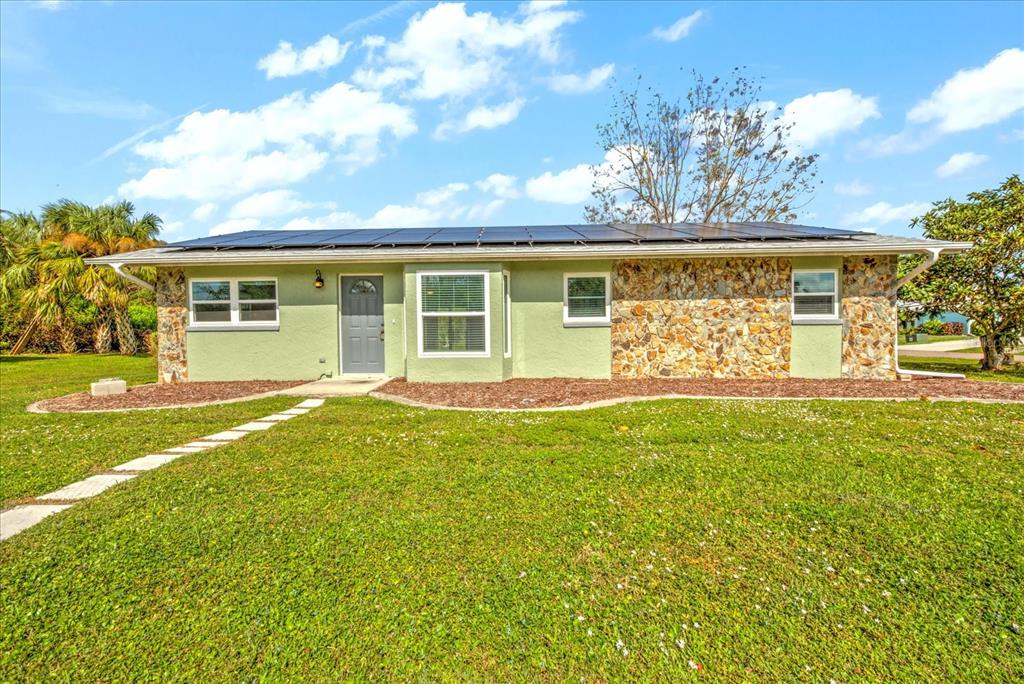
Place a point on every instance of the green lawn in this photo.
(763, 541)
(41, 452)
(969, 367)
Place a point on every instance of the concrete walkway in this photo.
(344, 386)
(19, 518)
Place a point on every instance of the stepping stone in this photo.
(253, 426)
(277, 417)
(185, 450)
(147, 462)
(310, 403)
(295, 412)
(226, 436)
(21, 518)
(90, 486)
(205, 445)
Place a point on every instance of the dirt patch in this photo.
(155, 396)
(521, 393)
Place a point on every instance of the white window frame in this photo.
(506, 284)
(834, 316)
(587, 321)
(420, 315)
(235, 323)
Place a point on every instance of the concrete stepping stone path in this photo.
(20, 518)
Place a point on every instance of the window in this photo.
(230, 302)
(506, 288)
(362, 287)
(815, 294)
(587, 299)
(453, 313)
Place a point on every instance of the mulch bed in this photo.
(522, 393)
(154, 396)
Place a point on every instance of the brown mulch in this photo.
(153, 396)
(522, 393)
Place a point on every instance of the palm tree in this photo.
(16, 230)
(52, 271)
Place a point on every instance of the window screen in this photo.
(814, 294)
(453, 315)
(586, 298)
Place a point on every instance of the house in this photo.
(738, 300)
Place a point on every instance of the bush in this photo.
(952, 328)
(142, 315)
(932, 327)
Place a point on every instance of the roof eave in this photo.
(182, 257)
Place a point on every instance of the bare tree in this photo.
(719, 156)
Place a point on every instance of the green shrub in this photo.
(142, 315)
(932, 327)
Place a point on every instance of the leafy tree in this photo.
(49, 274)
(16, 230)
(719, 156)
(985, 283)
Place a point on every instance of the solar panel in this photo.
(515, 235)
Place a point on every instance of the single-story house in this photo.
(738, 300)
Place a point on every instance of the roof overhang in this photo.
(874, 245)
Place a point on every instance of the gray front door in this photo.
(362, 324)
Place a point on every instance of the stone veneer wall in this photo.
(723, 318)
(869, 315)
(171, 322)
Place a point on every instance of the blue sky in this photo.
(230, 116)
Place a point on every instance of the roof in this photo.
(594, 241)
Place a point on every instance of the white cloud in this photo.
(335, 220)
(484, 210)
(883, 212)
(575, 84)
(204, 211)
(854, 188)
(445, 52)
(223, 153)
(441, 195)
(972, 98)
(960, 162)
(820, 117)
(320, 56)
(535, 6)
(271, 203)
(482, 117)
(235, 226)
(499, 184)
(169, 227)
(50, 5)
(571, 186)
(1015, 135)
(678, 30)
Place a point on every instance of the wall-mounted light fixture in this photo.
(318, 282)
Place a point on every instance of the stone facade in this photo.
(723, 318)
(869, 315)
(171, 322)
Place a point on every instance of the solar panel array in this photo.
(514, 235)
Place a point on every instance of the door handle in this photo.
(382, 332)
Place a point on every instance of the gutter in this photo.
(118, 266)
(933, 256)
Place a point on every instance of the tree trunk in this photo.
(66, 337)
(101, 336)
(127, 343)
(19, 346)
(992, 352)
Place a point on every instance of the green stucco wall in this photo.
(454, 369)
(542, 347)
(817, 349)
(308, 329)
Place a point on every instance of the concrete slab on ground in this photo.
(254, 426)
(295, 411)
(206, 445)
(90, 486)
(226, 436)
(148, 462)
(337, 387)
(186, 449)
(21, 518)
(277, 417)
